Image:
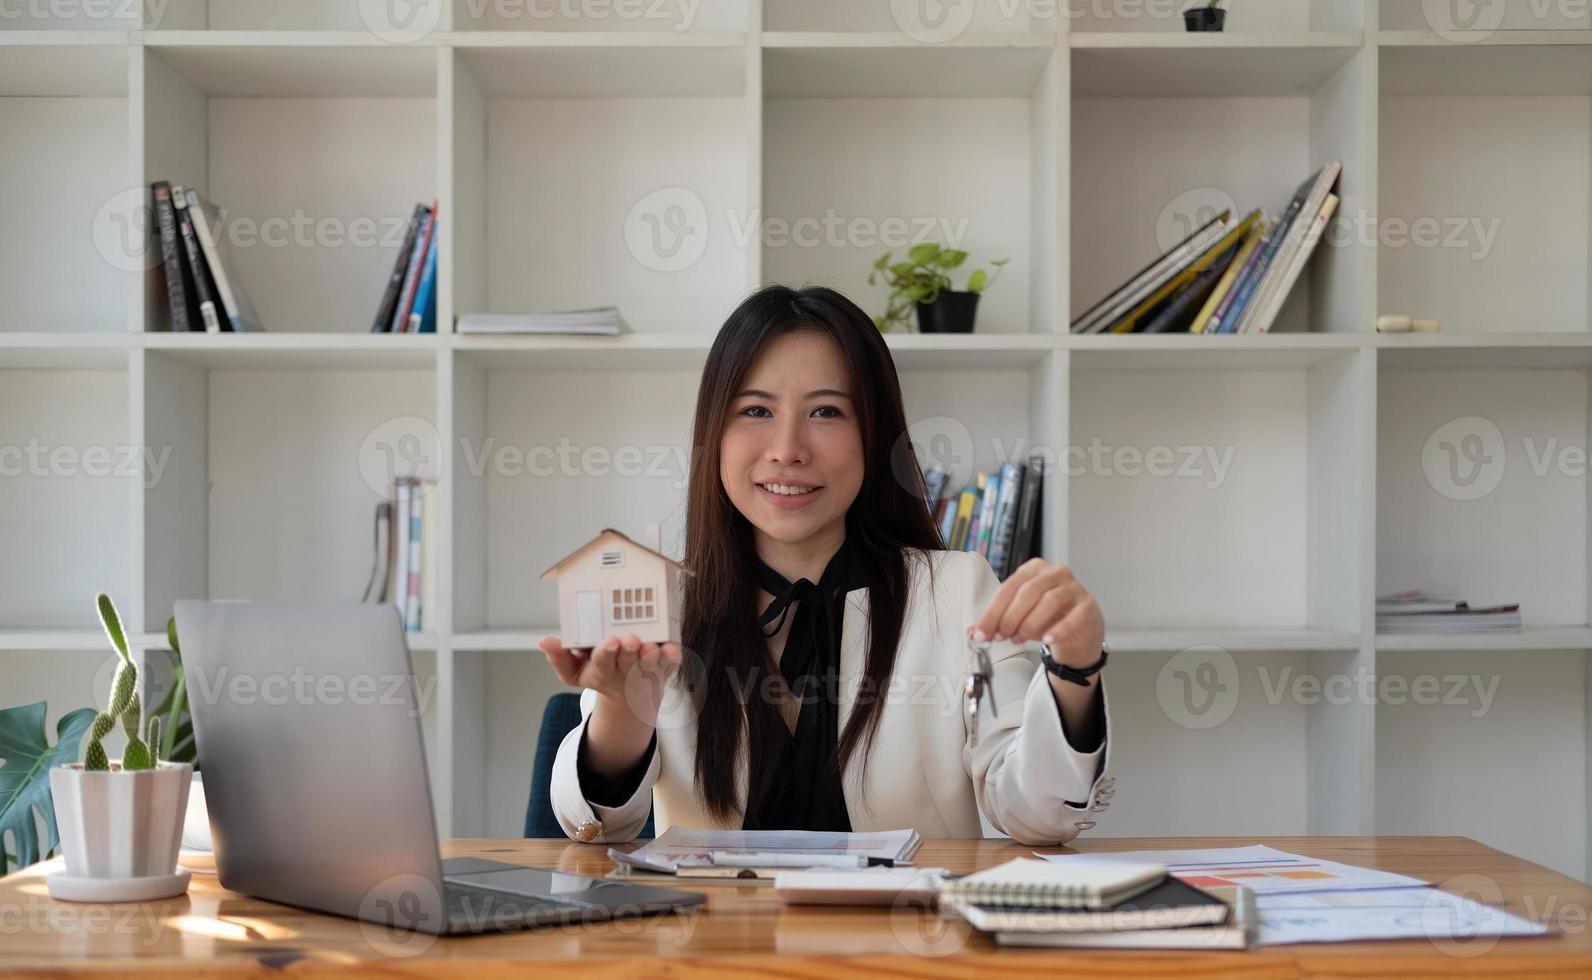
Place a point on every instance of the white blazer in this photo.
(923, 773)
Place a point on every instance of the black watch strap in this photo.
(1078, 675)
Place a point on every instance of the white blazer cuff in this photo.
(590, 822)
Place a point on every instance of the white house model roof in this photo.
(600, 535)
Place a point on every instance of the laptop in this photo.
(309, 735)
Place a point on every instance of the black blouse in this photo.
(800, 779)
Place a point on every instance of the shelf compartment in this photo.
(74, 239)
(1476, 715)
(1204, 65)
(634, 198)
(316, 177)
(1146, 172)
(860, 65)
(236, 514)
(68, 479)
(1502, 231)
(1223, 501)
(1482, 488)
(992, 191)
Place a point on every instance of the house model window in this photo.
(633, 606)
(614, 586)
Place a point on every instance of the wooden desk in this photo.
(745, 931)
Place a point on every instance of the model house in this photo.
(614, 586)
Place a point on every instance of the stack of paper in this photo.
(1301, 899)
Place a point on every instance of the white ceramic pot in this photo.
(120, 831)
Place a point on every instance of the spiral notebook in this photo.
(1043, 884)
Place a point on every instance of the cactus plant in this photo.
(123, 704)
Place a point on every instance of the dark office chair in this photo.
(559, 719)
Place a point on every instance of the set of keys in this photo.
(976, 688)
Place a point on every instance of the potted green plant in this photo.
(923, 282)
(120, 821)
(1208, 16)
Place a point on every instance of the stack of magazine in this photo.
(1413, 611)
(601, 321)
(1229, 276)
(203, 291)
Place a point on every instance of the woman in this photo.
(825, 629)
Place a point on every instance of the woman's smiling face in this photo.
(791, 456)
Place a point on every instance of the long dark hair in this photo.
(719, 608)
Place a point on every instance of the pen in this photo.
(780, 859)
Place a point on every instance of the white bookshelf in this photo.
(1072, 145)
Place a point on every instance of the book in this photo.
(599, 321)
(965, 504)
(406, 297)
(1170, 904)
(233, 302)
(1416, 601)
(1149, 278)
(1315, 191)
(204, 288)
(1251, 241)
(1239, 931)
(411, 593)
(395, 280)
(399, 595)
(1178, 312)
(1466, 620)
(947, 519)
(1136, 317)
(428, 565)
(173, 262)
(1233, 321)
(1220, 320)
(933, 486)
(1025, 541)
(376, 588)
(1005, 530)
(1033, 883)
(989, 496)
(423, 318)
(1289, 275)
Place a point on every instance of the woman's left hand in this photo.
(1042, 602)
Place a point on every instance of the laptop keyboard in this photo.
(472, 909)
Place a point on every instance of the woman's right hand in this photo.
(624, 671)
(629, 677)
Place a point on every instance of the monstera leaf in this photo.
(26, 758)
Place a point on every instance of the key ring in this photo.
(976, 687)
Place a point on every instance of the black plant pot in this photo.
(952, 312)
(1204, 18)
